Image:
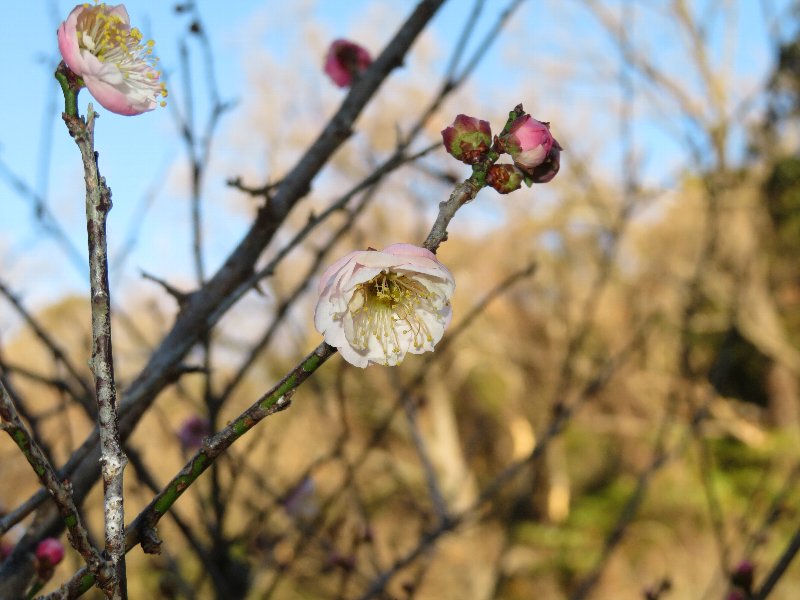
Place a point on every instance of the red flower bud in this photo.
(345, 61)
(49, 552)
(467, 139)
(504, 178)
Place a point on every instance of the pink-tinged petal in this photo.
(530, 159)
(409, 250)
(328, 273)
(68, 42)
(120, 11)
(114, 99)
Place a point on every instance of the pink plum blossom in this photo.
(533, 148)
(98, 45)
(467, 139)
(376, 306)
(345, 61)
(49, 552)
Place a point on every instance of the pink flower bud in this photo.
(504, 178)
(345, 62)
(533, 148)
(49, 552)
(467, 139)
(193, 431)
(98, 44)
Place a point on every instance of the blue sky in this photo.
(134, 152)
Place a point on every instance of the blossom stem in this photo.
(466, 190)
(112, 458)
(70, 86)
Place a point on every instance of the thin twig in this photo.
(779, 568)
(60, 492)
(112, 458)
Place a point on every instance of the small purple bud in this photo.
(467, 139)
(193, 431)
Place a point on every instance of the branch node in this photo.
(180, 297)
(151, 543)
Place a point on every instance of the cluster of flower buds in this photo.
(533, 149)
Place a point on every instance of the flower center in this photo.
(111, 39)
(387, 307)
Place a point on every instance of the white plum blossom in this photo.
(98, 44)
(376, 306)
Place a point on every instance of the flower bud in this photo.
(49, 553)
(504, 178)
(549, 167)
(533, 148)
(193, 431)
(345, 61)
(742, 576)
(467, 139)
